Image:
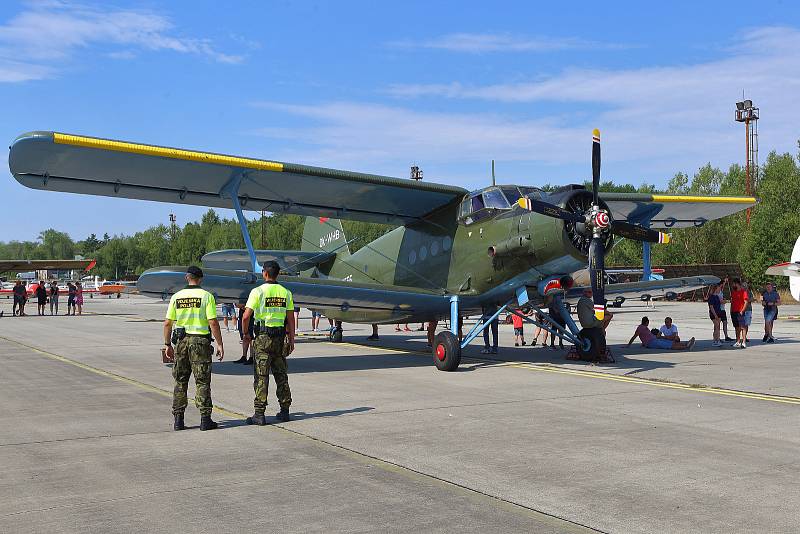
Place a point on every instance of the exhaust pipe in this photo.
(515, 246)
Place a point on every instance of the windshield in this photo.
(512, 194)
(482, 204)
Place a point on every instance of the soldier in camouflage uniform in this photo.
(193, 311)
(272, 306)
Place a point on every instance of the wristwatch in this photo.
(167, 344)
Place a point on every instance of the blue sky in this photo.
(376, 86)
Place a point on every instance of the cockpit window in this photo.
(482, 204)
(512, 194)
(493, 198)
(531, 192)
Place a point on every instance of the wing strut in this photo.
(231, 190)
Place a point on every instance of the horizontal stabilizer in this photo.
(291, 261)
(784, 269)
(654, 288)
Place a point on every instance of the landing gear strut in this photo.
(336, 332)
(447, 349)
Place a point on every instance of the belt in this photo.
(198, 335)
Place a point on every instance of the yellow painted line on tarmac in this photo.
(546, 368)
(108, 374)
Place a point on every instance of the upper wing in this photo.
(93, 166)
(672, 211)
(40, 265)
(784, 269)
(653, 288)
(290, 261)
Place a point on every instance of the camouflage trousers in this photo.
(269, 356)
(192, 356)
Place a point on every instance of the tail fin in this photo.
(324, 234)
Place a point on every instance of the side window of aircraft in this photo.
(477, 204)
(512, 194)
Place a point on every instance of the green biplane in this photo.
(454, 252)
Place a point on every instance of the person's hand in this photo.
(170, 353)
(220, 352)
(247, 338)
(291, 346)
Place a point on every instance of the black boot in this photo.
(257, 419)
(283, 415)
(206, 423)
(241, 360)
(248, 361)
(178, 422)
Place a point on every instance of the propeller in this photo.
(597, 220)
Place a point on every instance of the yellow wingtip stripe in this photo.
(172, 153)
(725, 200)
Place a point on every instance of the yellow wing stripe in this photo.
(172, 153)
(725, 200)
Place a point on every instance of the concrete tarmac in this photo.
(661, 441)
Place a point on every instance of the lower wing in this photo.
(316, 293)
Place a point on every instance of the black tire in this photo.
(618, 302)
(446, 351)
(597, 344)
(336, 336)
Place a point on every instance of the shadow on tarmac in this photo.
(325, 364)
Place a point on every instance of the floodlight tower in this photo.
(748, 114)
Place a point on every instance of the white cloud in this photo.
(36, 41)
(490, 42)
(656, 119)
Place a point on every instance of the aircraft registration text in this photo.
(329, 238)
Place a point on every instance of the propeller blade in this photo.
(596, 167)
(551, 210)
(638, 233)
(597, 276)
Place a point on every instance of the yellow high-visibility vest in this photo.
(191, 308)
(270, 302)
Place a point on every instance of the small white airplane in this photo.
(791, 269)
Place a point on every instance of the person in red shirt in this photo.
(519, 335)
(739, 300)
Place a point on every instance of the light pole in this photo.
(748, 114)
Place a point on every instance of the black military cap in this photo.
(197, 272)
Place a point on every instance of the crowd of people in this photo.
(45, 293)
(666, 337)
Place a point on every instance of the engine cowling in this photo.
(578, 200)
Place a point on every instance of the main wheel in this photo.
(446, 351)
(597, 344)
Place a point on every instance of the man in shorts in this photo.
(770, 299)
(738, 307)
(723, 316)
(228, 313)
